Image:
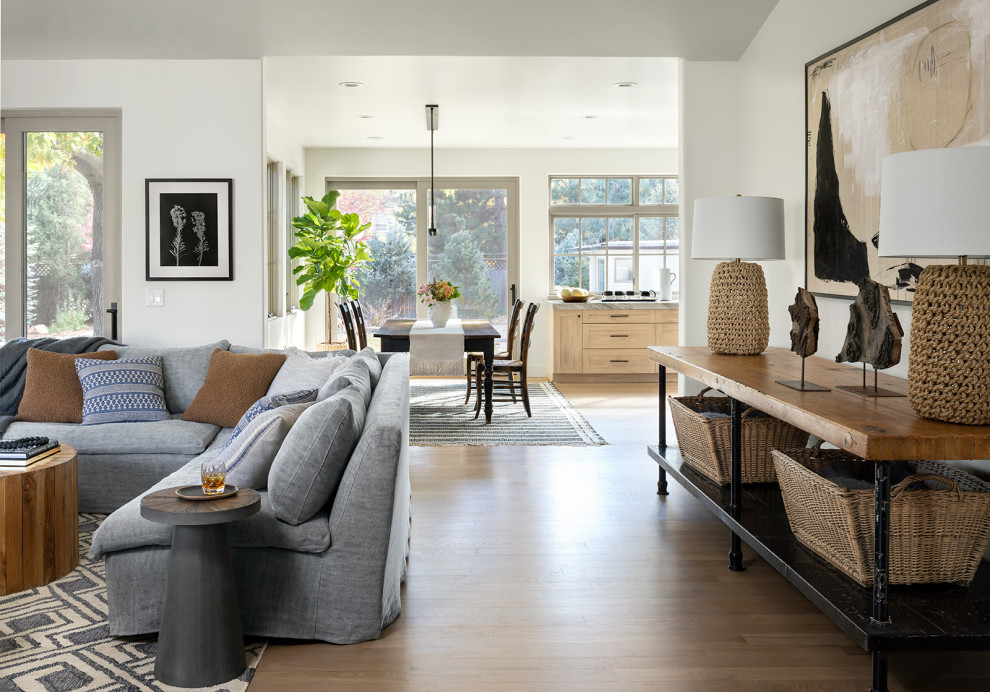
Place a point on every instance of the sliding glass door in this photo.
(475, 245)
(60, 226)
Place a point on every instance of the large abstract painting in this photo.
(921, 81)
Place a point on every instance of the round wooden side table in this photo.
(39, 521)
(200, 642)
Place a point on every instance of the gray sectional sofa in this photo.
(334, 577)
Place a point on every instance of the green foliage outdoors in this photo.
(328, 250)
(63, 234)
(390, 276)
(73, 315)
(462, 264)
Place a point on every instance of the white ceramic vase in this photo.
(439, 313)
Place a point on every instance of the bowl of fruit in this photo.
(574, 295)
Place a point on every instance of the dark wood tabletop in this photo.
(473, 329)
(165, 507)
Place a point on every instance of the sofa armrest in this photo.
(369, 520)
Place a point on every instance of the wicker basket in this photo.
(706, 442)
(331, 346)
(937, 534)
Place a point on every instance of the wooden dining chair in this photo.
(476, 357)
(505, 370)
(345, 316)
(360, 332)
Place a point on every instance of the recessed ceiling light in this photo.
(590, 117)
(366, 117)
(375, 137)
(625, 85)
(569, 137)
(350, 84)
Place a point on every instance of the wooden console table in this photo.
(881, 430)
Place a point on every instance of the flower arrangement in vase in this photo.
(437, 295)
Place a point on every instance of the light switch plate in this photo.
(155, 297)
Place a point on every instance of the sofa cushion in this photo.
(171, 436)
(126, 528)
(302, 371)
(234, 382)
(354, 372)
(248, 457)
(374, 365)
(270, 402)
(184, 367)
(311, 462)
(128, 390)
(52, 392)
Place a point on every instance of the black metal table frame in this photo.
(480, 344)
(881, 499)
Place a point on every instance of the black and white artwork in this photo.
(189, 231)
(917, 82)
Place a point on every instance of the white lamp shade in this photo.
(748, 228)
(936, 203)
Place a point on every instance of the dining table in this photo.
(479, 337)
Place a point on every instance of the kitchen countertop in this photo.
(557, 304)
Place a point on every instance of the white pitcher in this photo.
(667, 278)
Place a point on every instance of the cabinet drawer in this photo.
(618, 316)
(618, 360)
(617, 335)
(665, 316)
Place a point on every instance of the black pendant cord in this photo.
(433, 191)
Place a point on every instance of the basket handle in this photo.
(816, 449)
(701, 394)
(900, 487)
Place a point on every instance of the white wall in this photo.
(533, 168)
(743, 131)
(181, 119)
(771, 146)
(709, 168)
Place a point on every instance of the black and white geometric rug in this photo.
(56, 638)
(438, 417)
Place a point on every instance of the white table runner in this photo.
(436, 352)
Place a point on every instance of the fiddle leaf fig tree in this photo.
(327, 249)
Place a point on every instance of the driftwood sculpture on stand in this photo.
(804, 323)
(873, 335)
(804, 336)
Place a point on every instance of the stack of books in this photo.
(26, 450)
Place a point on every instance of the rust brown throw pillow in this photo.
(52, 393)
(233, 382)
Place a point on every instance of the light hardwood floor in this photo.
(559, 568)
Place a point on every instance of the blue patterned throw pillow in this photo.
(269, 403)
(128, 390)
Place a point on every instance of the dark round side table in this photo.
(200, 642)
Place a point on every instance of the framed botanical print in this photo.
(920, 81)
(189, 231)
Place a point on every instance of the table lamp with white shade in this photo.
(936, 203)
(738, 228)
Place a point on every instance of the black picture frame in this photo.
(189, 229)
(846, 88)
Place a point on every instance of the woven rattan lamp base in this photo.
(949, 363)
(738, 318)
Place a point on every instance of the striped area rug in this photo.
(438, 417)
(57, 638)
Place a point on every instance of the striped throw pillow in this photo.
(128, 390)
(250, 458)
(270, 402)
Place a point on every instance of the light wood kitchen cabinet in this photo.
(609, 344)
(567, 331)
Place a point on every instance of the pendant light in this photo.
(432, 123)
